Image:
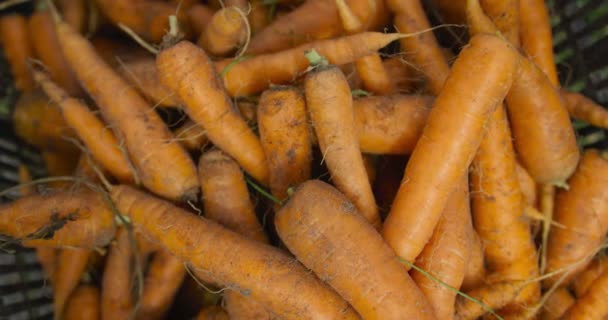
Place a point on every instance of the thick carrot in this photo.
(557, 304)
(225, 33)
(494, 296)
(143, 75)
(424, 192)
(71, 264)
(164, 277)
(188, 71)
(285, 136)
(98, 139)
(46, 47)
(423, 48)
(318, 224)
(475, 272)
(591, 305)
(191, 135)
(584, 222)
(17, 49)
(162, 164)
(255, 74)
(536, 38)
(587, 277)
(274, 279)
(330, 105)
(526, 185)
(446, 254)
(117, 301)
(79, 219)
(213, 313)
(391, 124)
(75, 13)
(199, 16)
(83, 304)
(583, 108)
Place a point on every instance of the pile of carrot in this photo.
(313, 170)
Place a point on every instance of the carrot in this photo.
(330, 105)
(494, 296)
(98, 139)
(116, 297)
(213, 313)
(17, 49)
(225, 33)
(446, 254)
(199, 16)
(583, 108)
(285, 287)
(285, 136)
(71, 264)
(259, 16)
(391, 124)
(318, 223)
(191, 135)
(423, 48)
(429, 176)
(401, 74)
(165, 275)
(83, 304)
(587, 277)
(498, 206)
(314, 20)
(475, 271)
(78, 219)
(255, 74)
(149, 19)
(555, 307)
(188, 71)
(505, 15)
(248, 109)
(162, 164)
(585, 222)
(75, 13)
(143, 75)
(526, 185)
(536, 38)
(591, 304)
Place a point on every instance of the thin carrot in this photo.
(446, 254)
(75, 13)
(557, 304)
(98, 139)
(285, 137)
(475, 272)
(285, 287)
(490, 297)
(526, 185)
(162, 164)
(188, 71)
(329, 103)
(225, 33)
(143, 75)
(71, 264)
(17, 49)
(318, 223)
(583, 108)
(83, 304)
(591, 304)
(585, 222)
(191, 136)
(587, 277)
(117, 301)
(429, 176)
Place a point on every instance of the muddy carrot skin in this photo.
(117, 301)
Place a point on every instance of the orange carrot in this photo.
(258, 17)
(318, 223)
(188, 71)
(505, 15)
(583, 108)
(526, 185)
(199, 16)
(423, 48)
(591, 304)
(75, 13)
(401, 74)
(586, 278)
(162, 164)
(585, 222)
(557, 304)
(475, 272)
(17, 49)
(330, 105)
(373, 75)
(143, 75)
(71, 264)
(78, 219)
(213, 313)
(226, 254)
(285, 137)
(116, 297)
(98, 139)
(83, 304)
(424, 192)
(255, 74)
(536, 38)
(225, 33)
(494, 296)
(446, 254)
(191, 135)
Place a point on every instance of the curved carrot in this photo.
(116, 296)
(162, 164)
(71, 264)
(584, 222)
(583, 108)
(318, 223)
(225, 33)
(587, 277)
(17, 49)
(557, 304)
(446, 254)
(285, 136)
(143, 75)
(591, 304)
(76, 218)
(83, 304)
(429, 176)
(285, 287)
(330, 106)
(98, 139)
(188, 71)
